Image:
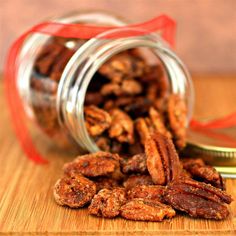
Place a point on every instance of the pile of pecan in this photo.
(127, 99)
(150, 186)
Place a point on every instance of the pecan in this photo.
(107, 202)
(126, 87)
(96, 120)
(103, 143)
(202, 172)
(135, 164)
(105, 182)
(122, 127)
(47, 57)
(92, 165)
(93, 98)
(177, 115)
(135, 180)
(154, 192)
(162, 159)
(146, 210)
(121, 66)
(198, 199)
(144, 128)
(158, 122)
(74, 191)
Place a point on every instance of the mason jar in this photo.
(55, 98)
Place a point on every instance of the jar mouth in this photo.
(90, 57)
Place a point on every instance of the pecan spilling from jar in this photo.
(122, 127)
(154, 192)
(162, 159)
(135, 180)
(134, 164)
(107, 203)
(97, 120)
(146, 210)
(202, 172)
(94, 164)
(177, 115)
(74, 191)
(198, 199)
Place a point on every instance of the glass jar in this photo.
(55, 73)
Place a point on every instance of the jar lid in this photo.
(216, 147)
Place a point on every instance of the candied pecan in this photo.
(105, 182)
(158, 123)
(121, 66)
(122, 127)
(135, 164)
(144, 128)
(103, 143)
(154, 192)
(177, 115)
(60, 63)
(127, 87)
(74, 191)
(135, 148)
(93, 98)
(146, 210)
(162, 159)
(202, 172)
(94, 164)
(97, 120)
(138, 107)
(198, 199)
(47, 56)
(135, 180)
(107, 202)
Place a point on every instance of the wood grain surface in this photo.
(27, 206)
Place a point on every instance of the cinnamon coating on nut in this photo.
(154, 192)
(146, 210)
(94, 164)
(135, 180)
(74, 191)
(202, 172)
(134, 164)
(107, 203)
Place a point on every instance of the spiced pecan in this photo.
(135, 164)
(123, 65)
(202, 172)
(74, 191)
(177, 115)
(122, 127)
(154, 192)
(146, 210)
(105, 182)
(158, 122)
(135, 180)
(126, 87)
(107, 203)
(96, 120)
(94, 164)
(103, 143)
(93, 98)
(162, 159)
(198, 199)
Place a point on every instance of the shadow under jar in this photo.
(104, 93)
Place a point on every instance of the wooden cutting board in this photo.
(27, 206)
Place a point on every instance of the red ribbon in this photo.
(161, 23)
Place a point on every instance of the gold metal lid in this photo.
(216, 147)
